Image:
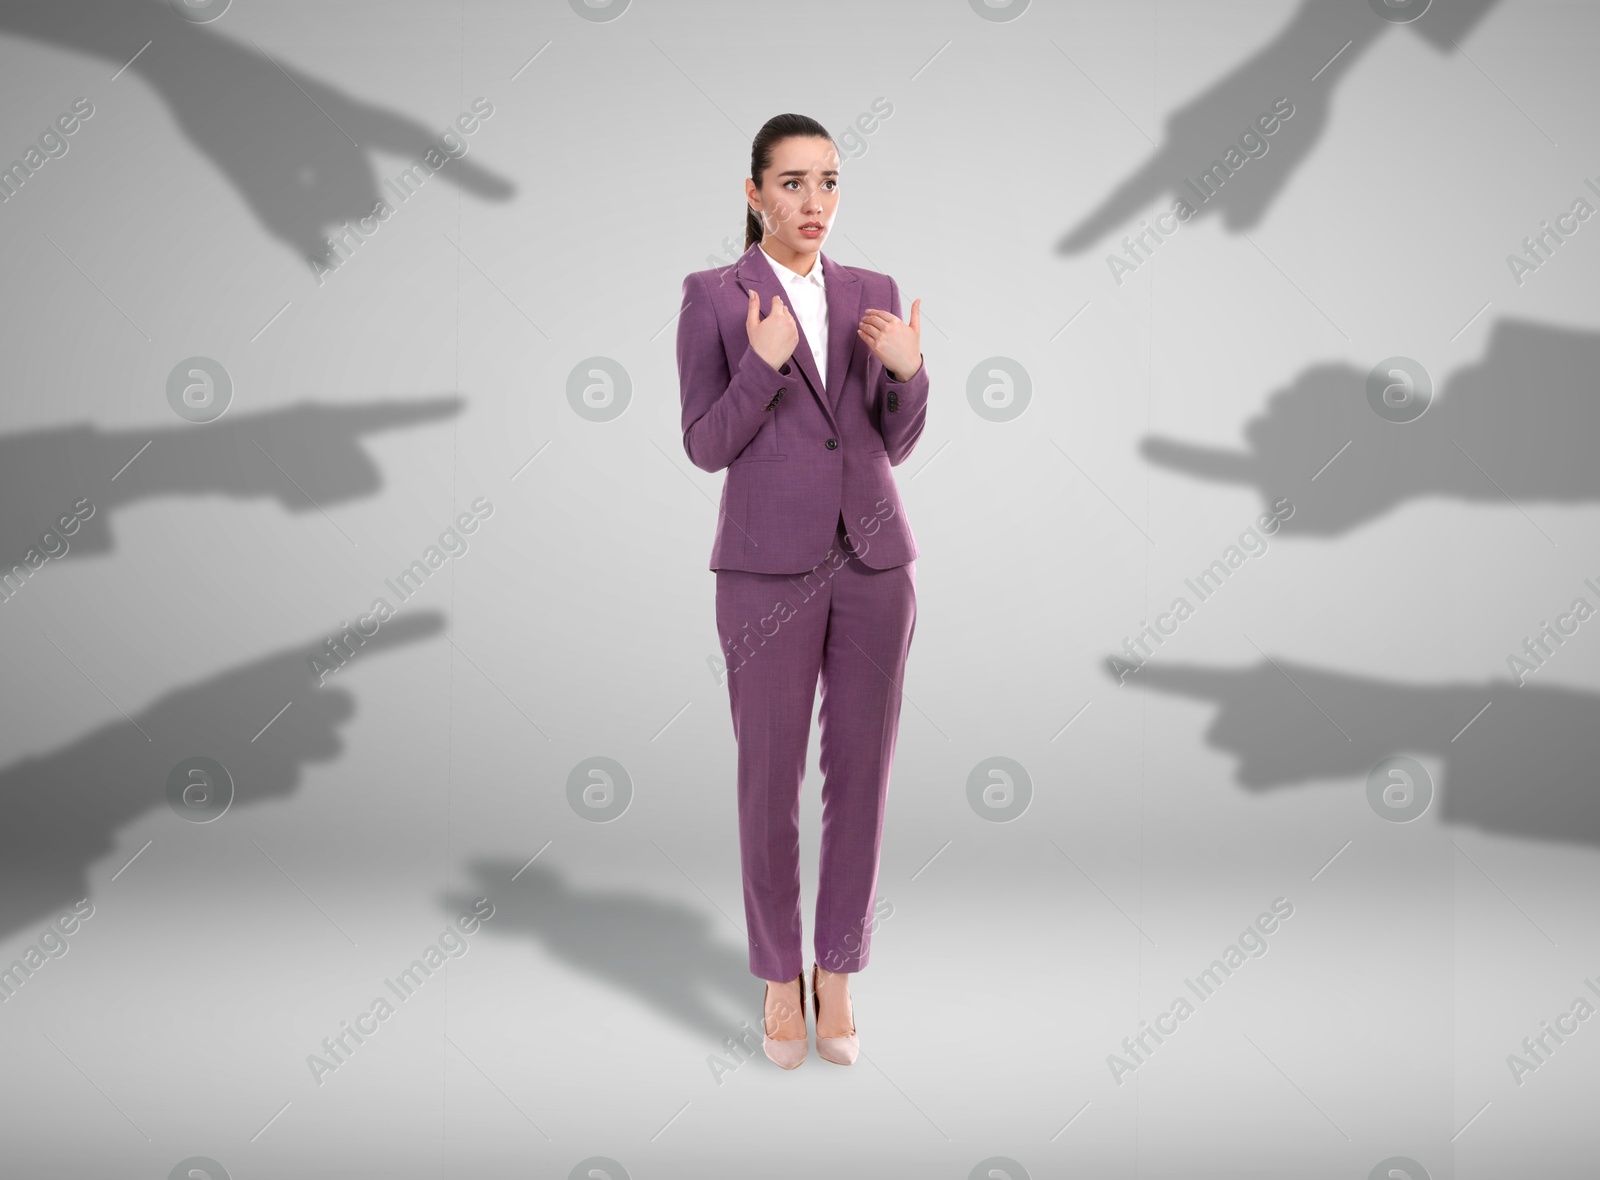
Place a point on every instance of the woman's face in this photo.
(799, 190)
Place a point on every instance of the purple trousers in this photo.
(852, 625)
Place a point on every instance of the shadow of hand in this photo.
(1517, 760)
(298, 150)
(64, 809)
(1516, 427)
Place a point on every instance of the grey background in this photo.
(1167, 411)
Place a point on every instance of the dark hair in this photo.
(776, 128)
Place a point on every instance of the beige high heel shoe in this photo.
(839, 1050)
(789, 1051)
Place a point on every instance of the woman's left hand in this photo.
(895, 342)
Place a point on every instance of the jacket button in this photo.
(831, 444)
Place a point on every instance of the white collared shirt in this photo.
(808, 295)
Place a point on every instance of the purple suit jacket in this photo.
(799, 453)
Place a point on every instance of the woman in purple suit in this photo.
(799, 377)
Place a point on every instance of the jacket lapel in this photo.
(844, 313)
(844, 301)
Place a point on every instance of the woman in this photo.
(799, 377)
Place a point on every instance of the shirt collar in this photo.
(785, 275)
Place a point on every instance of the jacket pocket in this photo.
(759, 459)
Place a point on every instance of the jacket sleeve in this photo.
(902, 405)
(721, 414)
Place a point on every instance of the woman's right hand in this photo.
(775, 337)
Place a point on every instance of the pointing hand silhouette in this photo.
(1521, 767)
(1514, 428)
(1209, 124)
(297, 150)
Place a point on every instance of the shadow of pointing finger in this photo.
(1214, 155)
(1519, 760)
(298, 151)
(60, 487)
(1516, 427)
(263, 722)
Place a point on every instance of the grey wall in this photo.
(1098, 434)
